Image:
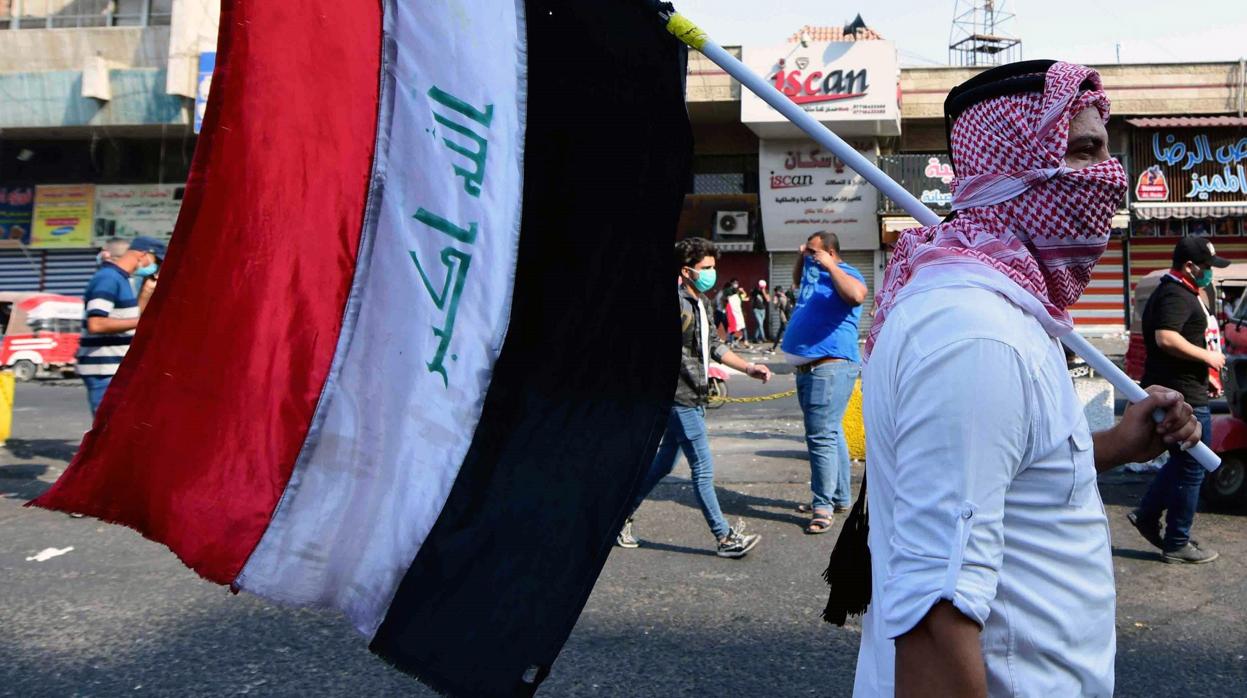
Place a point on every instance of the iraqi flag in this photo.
(415, 339)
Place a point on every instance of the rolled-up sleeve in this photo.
(963, 419)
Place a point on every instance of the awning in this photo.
(1201, 209)
(742, 246)
(1187, 121)
(895, 224)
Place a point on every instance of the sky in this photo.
(1083, 31)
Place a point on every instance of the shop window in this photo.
(143, 13)
(65, 14)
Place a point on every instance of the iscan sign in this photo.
(852, 86)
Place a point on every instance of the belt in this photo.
(806, 368)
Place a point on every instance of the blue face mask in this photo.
(705, 280)
(144, 272)
(1204, 279)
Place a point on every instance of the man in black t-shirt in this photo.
(1182, 347)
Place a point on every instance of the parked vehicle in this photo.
(1226, 487)
(39, 333)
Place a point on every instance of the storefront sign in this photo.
(928, 177)
(130, 210)
(804, 190)
(1152, 185)
(63, 215)
(850, 85)
(1191, 165)
(17, 207)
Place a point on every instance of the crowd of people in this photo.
(770, 310)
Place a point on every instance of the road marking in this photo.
(48, 553)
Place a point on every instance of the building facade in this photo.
(1190, 107)
(101, 98)
(96, 128)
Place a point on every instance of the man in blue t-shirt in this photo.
(821, 342)
(112, 313)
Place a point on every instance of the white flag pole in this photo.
(690, 34)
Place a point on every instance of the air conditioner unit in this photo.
(731, 224)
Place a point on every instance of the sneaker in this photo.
(1150, 532)
(625, 539)
(1190, 554)
(737, 543)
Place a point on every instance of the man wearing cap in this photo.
(1183, 347)
(112, 313)
(991, 567)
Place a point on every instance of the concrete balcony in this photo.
(55, 81)
(39, 102)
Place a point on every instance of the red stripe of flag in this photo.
(199, 431)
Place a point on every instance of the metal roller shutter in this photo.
(1148, 254)
(866, 262)
(1101, 310)
(68, 271)
(20, 270)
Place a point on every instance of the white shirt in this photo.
(983, 492)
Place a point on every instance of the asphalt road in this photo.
(118, 615)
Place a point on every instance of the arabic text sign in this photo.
(17, 207)
(1191, 165)
(804, 190)
(927, 176)
(130, 210)
(63, 215)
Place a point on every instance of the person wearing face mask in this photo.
(686, 423)
(1183, 343)
(112, 312)
(990, 566)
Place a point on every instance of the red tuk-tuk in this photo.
(40, 333)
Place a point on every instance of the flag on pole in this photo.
(414, 342)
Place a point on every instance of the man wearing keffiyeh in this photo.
(991, 565)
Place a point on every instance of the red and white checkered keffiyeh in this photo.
(1020, 211)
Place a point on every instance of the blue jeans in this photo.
(759, 327)
(1175, 490)
(824, 394)
(686, 430)
(96, 385)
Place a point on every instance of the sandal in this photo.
(835, 509)
(820, 523)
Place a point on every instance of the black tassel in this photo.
(848, 569)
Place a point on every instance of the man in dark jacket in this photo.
(686, 424)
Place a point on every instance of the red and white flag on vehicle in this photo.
(371, 378)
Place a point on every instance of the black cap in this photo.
(1193, 248)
